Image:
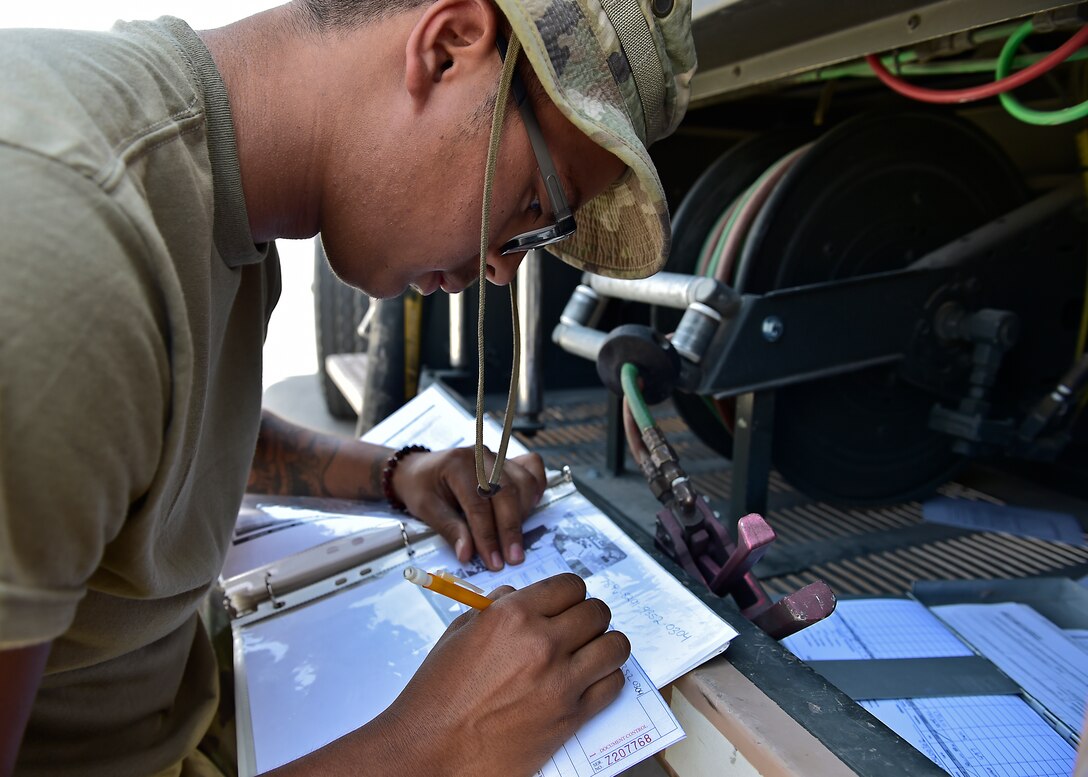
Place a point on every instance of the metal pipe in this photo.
(668, 289)
(1000, 230)
(457, 330)
(695, 331)
(530, 289)
(583, 308)
(579, 340)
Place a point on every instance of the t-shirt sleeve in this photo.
(84, 385)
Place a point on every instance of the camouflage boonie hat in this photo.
(620, 71)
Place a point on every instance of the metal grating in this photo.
(878, 550)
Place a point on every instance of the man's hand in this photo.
(439, 488)
(498, 694)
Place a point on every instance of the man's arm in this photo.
(20, 674)
(439, 488)
(292, 460)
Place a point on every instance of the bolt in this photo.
(773, 328)
(914, 22)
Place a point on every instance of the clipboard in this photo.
(320, 648)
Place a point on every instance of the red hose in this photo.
(946, 96)
(634, 438)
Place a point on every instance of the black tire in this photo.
(338, 309)
(872, 195)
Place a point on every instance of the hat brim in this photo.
(623, 232)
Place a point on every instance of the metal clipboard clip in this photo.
(405, 539)
(276, 603)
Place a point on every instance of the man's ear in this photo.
(450, 41)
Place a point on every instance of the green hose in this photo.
(716, 257)
(639, 409)
(710, 244)
(1018, 109)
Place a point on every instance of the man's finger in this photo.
(554, 595)
(525, 488)
(507, 514)
(444, 519)
(600, 656)
(481, 521)
(532, 465)
(522, 485)
(582, 623)
(602, 693)
(500, 592)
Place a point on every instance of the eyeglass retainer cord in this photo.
(489, 486)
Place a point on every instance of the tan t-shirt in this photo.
(133, 308)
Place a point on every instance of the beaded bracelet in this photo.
(391, 467)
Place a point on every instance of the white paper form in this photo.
(1031, 650)
(671, 631)
(969, 736)
(634, 727)
(639, 723)
(876, 628)
(433, 418)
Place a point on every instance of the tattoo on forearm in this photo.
(375, 485)
(291, 460)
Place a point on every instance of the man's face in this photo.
(422, 227)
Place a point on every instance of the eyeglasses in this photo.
(564, 225)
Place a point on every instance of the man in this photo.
(145, 173)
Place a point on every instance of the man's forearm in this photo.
(293, 460)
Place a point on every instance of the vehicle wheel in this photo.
(338, 309)
(871, 196)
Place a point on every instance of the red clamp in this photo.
(703, 547)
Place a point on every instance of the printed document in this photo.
(330, 661)
(670, 630)
(967, 736)
(876, 628)
(1031, 650)
(975, 736)
(435, 419)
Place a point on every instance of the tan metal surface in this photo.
(733, 728)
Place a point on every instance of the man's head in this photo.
(605, 78)
(619, 70)
(342, 15)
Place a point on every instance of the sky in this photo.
(289, 348)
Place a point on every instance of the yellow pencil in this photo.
(448, 585)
